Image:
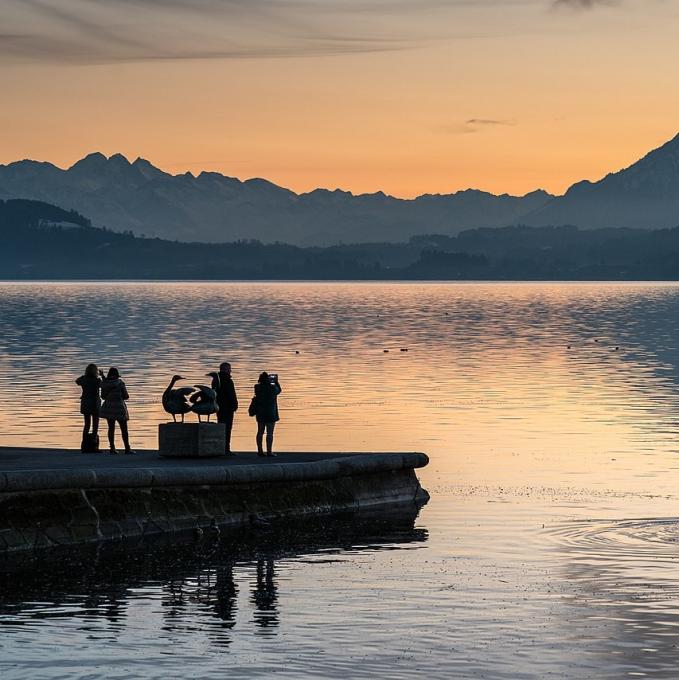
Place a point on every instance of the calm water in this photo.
(550, 547)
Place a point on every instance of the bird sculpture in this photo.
(204, 401)
(174, 399)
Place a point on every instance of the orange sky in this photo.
(364, 95)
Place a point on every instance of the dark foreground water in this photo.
(550, 547)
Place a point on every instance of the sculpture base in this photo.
(191, 440)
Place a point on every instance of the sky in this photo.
(403, 96)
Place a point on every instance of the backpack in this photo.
(90, 443)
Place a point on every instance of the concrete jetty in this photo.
(62, 497)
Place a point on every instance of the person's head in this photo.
(225, 367)
(91, 371)
(263, 378)
(113, 373)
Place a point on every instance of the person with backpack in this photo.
(90, 405)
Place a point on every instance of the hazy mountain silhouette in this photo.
(644, 195)
(211, 207)
(41, 241)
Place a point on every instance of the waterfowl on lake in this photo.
(174, 400)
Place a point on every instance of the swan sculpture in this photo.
(174, 399)
(204, 401)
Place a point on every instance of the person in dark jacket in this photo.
(90, 403)
(114, 409)
(226, 400)
(267, 390)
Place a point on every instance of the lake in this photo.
(550, 546)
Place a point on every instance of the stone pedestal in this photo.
(191, 440)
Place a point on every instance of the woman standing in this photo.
(114, 409)
(90, 403)
(267, 390)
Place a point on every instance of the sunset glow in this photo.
(403, 97)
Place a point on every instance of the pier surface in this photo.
(20, 458)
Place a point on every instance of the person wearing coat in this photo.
(226, 400)
(265, 404)
(114, 409)
(90, 403)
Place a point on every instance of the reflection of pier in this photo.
(209, 579)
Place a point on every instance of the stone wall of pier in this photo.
(61, 507)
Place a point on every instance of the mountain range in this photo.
(211, 207)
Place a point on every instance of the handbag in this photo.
(90, 443)
(252, 409)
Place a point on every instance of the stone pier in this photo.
(51, 498)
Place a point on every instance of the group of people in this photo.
(103, 397)
(263, 407)
(106, 396)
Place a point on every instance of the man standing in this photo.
(226, 400)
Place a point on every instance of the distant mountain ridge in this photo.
(212, 207)
(645, 195)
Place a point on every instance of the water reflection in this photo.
(492, 353)
(265, 595)
(530, 415)
(622, 577)
(202, 576)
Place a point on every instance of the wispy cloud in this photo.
(473, 125)
(100, 31)
(110, 31)
(489, 121)
(583, 4)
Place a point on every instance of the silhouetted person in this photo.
(265, 595)
(226, 400)
(90, 402)
(267, 390)
(114, 409)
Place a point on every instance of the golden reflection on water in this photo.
(549, 412)
(495, 376)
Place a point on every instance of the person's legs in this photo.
(95, 424)
(260, 435)
(228, 424)
(125, 435)
(111, 434)
(226, 419)
(269, 438)
(86, 425)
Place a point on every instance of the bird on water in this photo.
(175, 399)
